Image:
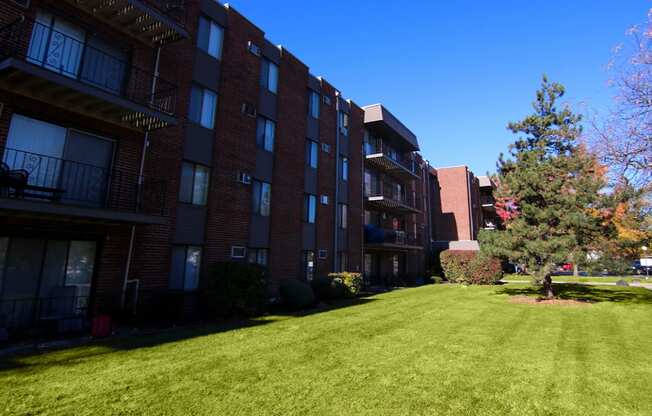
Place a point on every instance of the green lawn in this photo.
(581, 279)
(434, 350)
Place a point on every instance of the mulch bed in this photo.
(528, 300)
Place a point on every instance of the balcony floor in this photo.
(41, 209)
(25, 79)
(135, 18)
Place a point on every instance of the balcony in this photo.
(400, 168)
(386, 196)
(488, 203)
(82, 74)
(34, 184)
(153, 22)
(380, 238)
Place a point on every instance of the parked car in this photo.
(637, 268)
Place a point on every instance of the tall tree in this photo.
(623, 140)
(549, 190)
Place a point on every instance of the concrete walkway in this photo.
(643, 285)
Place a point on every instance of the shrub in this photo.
(437, 280)
(352, 282)
(235, 289)
(327, 288)
(470, 267)
(296, 294)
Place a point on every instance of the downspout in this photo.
(337, 179)
(362, 201)
(141, 169)
(471, 222)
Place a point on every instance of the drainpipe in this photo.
(337, 178)
(468, 187)
(141, 169)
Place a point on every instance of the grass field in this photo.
(434, 350)
(581, 279)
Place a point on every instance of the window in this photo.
(342, 220)
(396, 265)
(309, 265)
(313, 104)
(194, 184)
(344, 123)
(238, 252)
(258, 256)
(202, 106)
(312, 153)
(269, 75)
(209, 37)
(186, 263)
(310, 209)
(265, 132)
(345, 169)
(343, 261)
(262, 198)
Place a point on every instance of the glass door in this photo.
(86, 168)
(37, 147)
(56, 45)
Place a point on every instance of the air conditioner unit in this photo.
(327, 99)
(344, 131)
(244, 178)
(323, 254)
(253, 48)
(249, 109)
(324, 199)
(238, 252)
(326, 148)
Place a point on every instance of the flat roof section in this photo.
(378, 117)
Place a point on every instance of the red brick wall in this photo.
(453, 223)
(356, 211)
(326, 181)
(229, 205)
(288, 175)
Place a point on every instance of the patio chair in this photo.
(16, 183)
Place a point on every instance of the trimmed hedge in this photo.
(352, 282)
(470, 267)
(296, 294)
(327, 288)
(233, 288)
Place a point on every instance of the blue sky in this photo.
(455, 72)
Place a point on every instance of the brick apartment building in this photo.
(144, 140)
(395, 245)
(461, 205)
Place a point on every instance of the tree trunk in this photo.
(547, 286)
(576, 270)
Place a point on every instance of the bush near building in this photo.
(470, 267)
(234, 288)
(352, 282)
(296, 294)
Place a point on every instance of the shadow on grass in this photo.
(585, 293)
(74, 354)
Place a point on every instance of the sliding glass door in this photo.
(44, 279)
(56, 157)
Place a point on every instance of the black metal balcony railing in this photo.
(487, 200)
(31, 312)
(78, 59)
(37, 176)
(376, 235)
(390, 191)
(373, 148)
